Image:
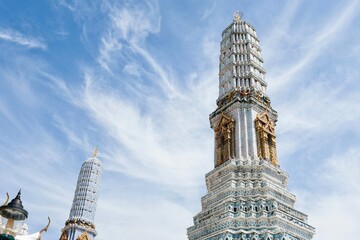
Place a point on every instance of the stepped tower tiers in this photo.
(80, 225)
(247, 196)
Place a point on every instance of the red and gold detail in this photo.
(64, 236)
(224, 139)
(81, 223)
(266, 139)
(83, 236)
(244, 94)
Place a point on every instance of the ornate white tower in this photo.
(247, 195)
(80, 225)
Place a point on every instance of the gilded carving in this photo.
(83, 236)
(81, 223)
(96, 152)
(224, 139)
(237, 16)
(64, 236)
(266, 139)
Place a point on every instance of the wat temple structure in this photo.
(80, 225)
(13, 224)
(247, 191)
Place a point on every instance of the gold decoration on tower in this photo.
(237, 16)
(266, 139)
(83, 236)
(96, 152)
(64, 236)
(224, 139)
(7, 200)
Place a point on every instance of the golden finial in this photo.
(237, 16)
(96, 152)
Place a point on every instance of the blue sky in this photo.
(138, 79)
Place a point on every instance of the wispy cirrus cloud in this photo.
(124, 218)
(16, 37)
(67, 5)
(160, 132)
(125, 36)
(312, 103)
(156, 120)
(152, 138)
(29, 153)
(338, 197)
(208, 10)
(311, 44)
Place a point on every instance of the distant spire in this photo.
(82, 213)
(14, 210)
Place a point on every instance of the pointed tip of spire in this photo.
(19, 194)
(238, 16)
(96, 152)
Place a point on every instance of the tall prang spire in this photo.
(80, 225)
(241, 63)
(242, 99)
(247, 193)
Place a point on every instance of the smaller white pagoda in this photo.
(80, 225)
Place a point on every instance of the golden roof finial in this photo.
(237, 16)
(96, 152)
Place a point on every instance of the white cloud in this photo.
(208, 11)
(321, 108)
(132, 69)
(127, 31)
(312, 92)
(167, 84)
(152, 136)
(130, 25)
(336, 203)
(11, 35)
(67, 5)
(141, 217)
(311, 45)
(153, 142)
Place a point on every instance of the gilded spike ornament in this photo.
(237, 16)
(96, 152)
(247, 191)
(84, 236)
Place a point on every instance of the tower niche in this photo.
(224, 139)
